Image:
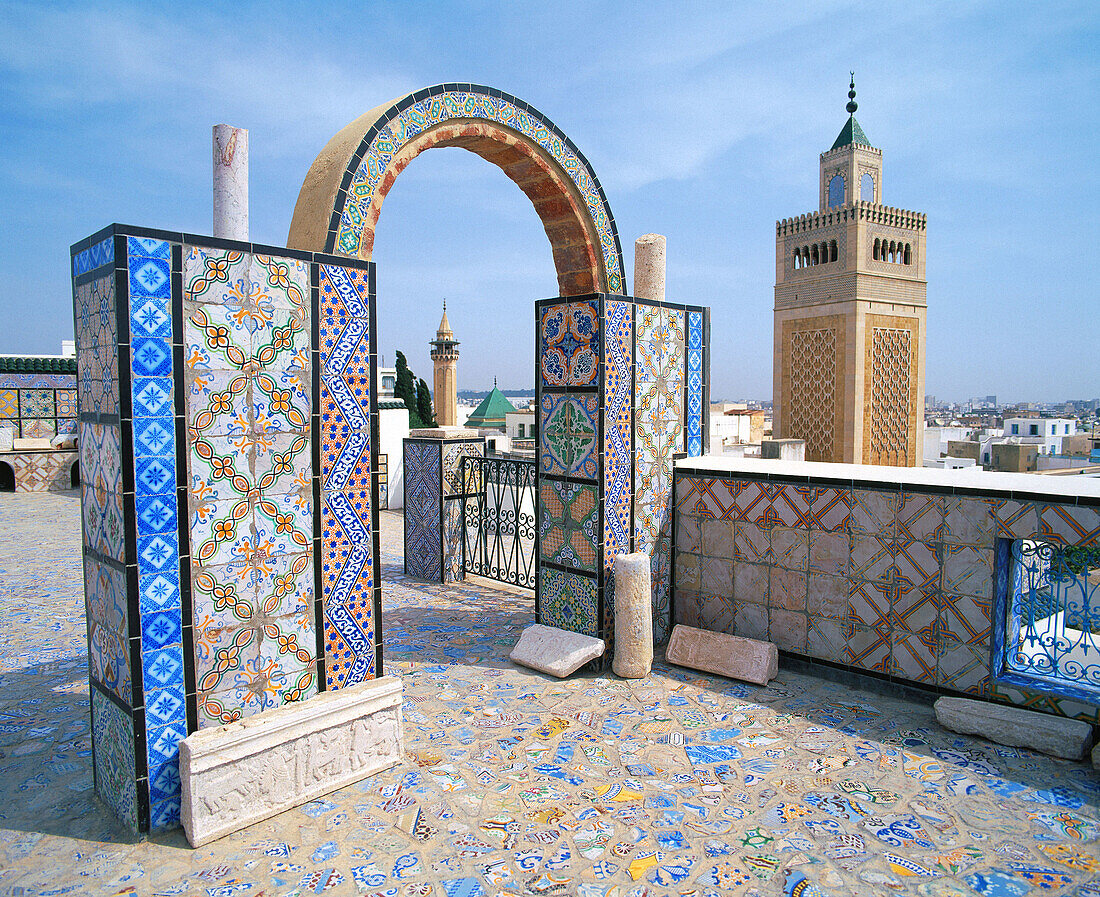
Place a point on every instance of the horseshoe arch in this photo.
(341, 198)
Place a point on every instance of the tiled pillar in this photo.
(435, 495)
(618, 395)
(225, 425)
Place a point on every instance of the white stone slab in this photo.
(747, 659)
(557, 652)
(1043, 732)
(238, 774)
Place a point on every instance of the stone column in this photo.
(633, 617)
(231, 182)
(435, 495)
(649, 267)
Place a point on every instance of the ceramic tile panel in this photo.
(569, 601)
(108, 628)
(452, 540)
(423, 510)
(9, 404)
(911, 588)
(570, 348)
(618, 428)
(95, 256)
(568, 528)
(246, 393)
(114, 765)
(694, 383)
(453, 453)
(569, 433)
(33, 428)
(1069, 525)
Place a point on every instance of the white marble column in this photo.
(649, 267)
(231, 182)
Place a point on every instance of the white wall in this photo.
(393, 426)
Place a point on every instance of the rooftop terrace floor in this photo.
(519, 784)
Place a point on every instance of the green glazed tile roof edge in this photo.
(37, 365)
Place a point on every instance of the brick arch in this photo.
(341, 198)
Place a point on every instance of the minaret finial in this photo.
(852, 105)
(444, 304)
(494, 383)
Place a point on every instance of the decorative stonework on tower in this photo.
(850, 312)
(445, 357)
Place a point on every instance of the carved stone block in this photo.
(238, 774)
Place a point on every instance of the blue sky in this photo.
(704, 122)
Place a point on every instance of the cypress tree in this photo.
(424, 404)
(405, 389)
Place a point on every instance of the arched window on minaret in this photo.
(836, 191)
(867, 188)
(875, 251)
(908, 254)
(813, 255)
(832, 251)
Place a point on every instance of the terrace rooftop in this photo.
(518, 784)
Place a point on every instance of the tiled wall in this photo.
(613, 381)
(38, 405)
(226, 431)
(435, 495)
(898, 581)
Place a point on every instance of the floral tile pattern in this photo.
(568, 530)
(569, 425)
(247, 335)
(570, 349)
(659, 359)
(569, 601)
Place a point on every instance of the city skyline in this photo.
(706, 128)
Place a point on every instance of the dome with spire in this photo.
(851, 132)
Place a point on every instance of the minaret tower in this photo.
(445, 357)
(850, 315)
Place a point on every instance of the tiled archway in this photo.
(341, 197)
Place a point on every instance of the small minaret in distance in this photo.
(445, 358)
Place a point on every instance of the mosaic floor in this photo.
(515, 784)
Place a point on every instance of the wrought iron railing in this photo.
(1052, 631)
(498, 520)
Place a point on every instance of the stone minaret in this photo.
(850, 316)
(445, 356)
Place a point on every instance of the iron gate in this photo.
(498, 520)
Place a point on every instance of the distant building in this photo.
(1049, 430)
(1014, 457)
(731, 423)
(850, 315)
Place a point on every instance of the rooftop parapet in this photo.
(859, 211)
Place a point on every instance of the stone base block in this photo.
(1053, 735)
(726, 655)
(238, 774)
(557, 652)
